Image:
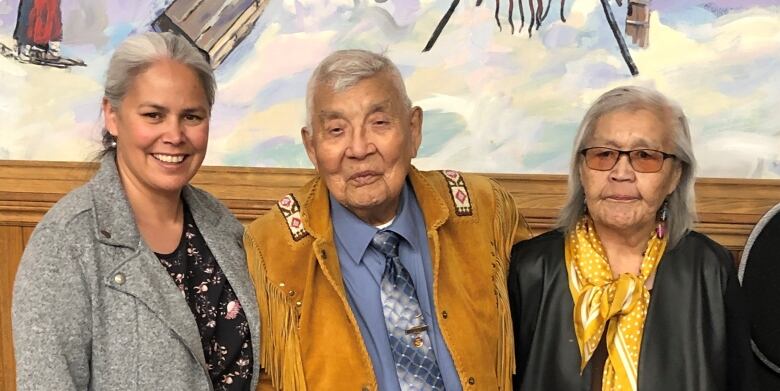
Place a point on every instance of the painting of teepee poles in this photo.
(637, 21)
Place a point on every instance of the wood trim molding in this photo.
(728, 208)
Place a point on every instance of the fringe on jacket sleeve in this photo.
(504, 227)
(280, 354)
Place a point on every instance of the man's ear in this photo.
(415, 128)
(109, 118)
(307, 136)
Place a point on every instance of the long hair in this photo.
(682, 201)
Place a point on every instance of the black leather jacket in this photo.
(761, 286)
(696, 332)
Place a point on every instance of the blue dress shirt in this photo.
(362, 267)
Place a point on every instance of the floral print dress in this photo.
(224, 331)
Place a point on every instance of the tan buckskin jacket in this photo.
(309, 337)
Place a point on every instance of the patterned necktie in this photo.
(415, 361)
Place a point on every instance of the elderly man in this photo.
(376, 275)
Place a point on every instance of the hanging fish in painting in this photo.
(537, 13)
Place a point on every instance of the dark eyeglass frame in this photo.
(628, 153)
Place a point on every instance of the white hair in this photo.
(344, 69)
(682, 201)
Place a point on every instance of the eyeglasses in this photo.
(642, 160)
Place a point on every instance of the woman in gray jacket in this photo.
(137, 280)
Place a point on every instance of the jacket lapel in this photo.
(317, 217)
(131, 267)
(435, 214)
(223, 237)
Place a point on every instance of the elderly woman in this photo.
(137, 280)
(624, 295)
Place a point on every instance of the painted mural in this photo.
(503, 83)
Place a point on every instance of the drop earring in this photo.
(663, 215)
(584, 206)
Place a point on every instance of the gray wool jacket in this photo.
(93, 307)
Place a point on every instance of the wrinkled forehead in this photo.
(632, 128)
(371, 90)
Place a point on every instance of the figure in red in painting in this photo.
(38, 30)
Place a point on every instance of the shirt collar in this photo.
(355, 235)
(404, 222)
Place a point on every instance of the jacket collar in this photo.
(433, 207)
(114, 220)
(142, 275)
(316, 217)
(316, 208)
(204, 213)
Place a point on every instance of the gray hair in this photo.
(138, 53)
(346, 68)
(682, 201)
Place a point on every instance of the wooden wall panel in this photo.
(26, 232)
(11, 245)
(728, 209)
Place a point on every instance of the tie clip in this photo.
(417, 329)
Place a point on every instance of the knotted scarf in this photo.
(602, 301)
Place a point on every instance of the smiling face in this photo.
(161, 128)
(362, 143)
(621, 198)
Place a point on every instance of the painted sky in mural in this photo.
(494, 101)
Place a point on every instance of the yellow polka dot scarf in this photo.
(601, 301)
